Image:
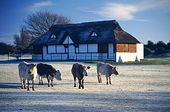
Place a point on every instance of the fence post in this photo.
(8, 55)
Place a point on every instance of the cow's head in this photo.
(84, 70)
(114, 71)
(32, 70)
(57, 75)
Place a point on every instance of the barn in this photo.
(90, 41)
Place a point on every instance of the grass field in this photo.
(136, 88)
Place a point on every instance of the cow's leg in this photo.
(33, 85)
(74, 81)
(21, 82)
(28, 85)
(24, 82)
(110, 80)
(79, 83)
(82, 83)
(52, 82)
(40, 80)
(100, 79)
(48, 82)
(106, 80)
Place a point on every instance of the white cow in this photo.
(107, 70)
(27, 72)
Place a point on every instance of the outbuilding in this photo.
(90, 41)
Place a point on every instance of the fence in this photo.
(10, 57)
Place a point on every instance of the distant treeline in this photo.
(160, 47)
(6, 48)
(12, 49)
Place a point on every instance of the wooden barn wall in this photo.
(125, 47)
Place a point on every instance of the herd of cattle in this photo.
(28, 72)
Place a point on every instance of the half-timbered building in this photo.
(101, 40)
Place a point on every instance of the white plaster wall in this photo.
(125, 56)
(92, 48)
(140, 51)
(83, 48)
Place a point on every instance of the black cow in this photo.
(79, 71)
(48, 71)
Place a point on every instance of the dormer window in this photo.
(94, 34)
(53, 36)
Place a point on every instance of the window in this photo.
(83, 48)
(53, 36)
(60, 49)
(93, 34)
(92, 48)
(51, 49)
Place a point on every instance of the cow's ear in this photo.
(114, 67)
(34, 64)
(88, 67)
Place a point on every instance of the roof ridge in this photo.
(84, 23)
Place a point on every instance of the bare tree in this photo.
(22, 41)
(38, 23)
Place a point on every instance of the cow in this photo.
(27, 72)
(48, 71)
(107, 70)
(79, 71)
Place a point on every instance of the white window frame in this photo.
(53, 36)
(93, 34)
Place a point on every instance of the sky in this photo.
(144, 19)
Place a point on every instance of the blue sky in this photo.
(144, 19)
